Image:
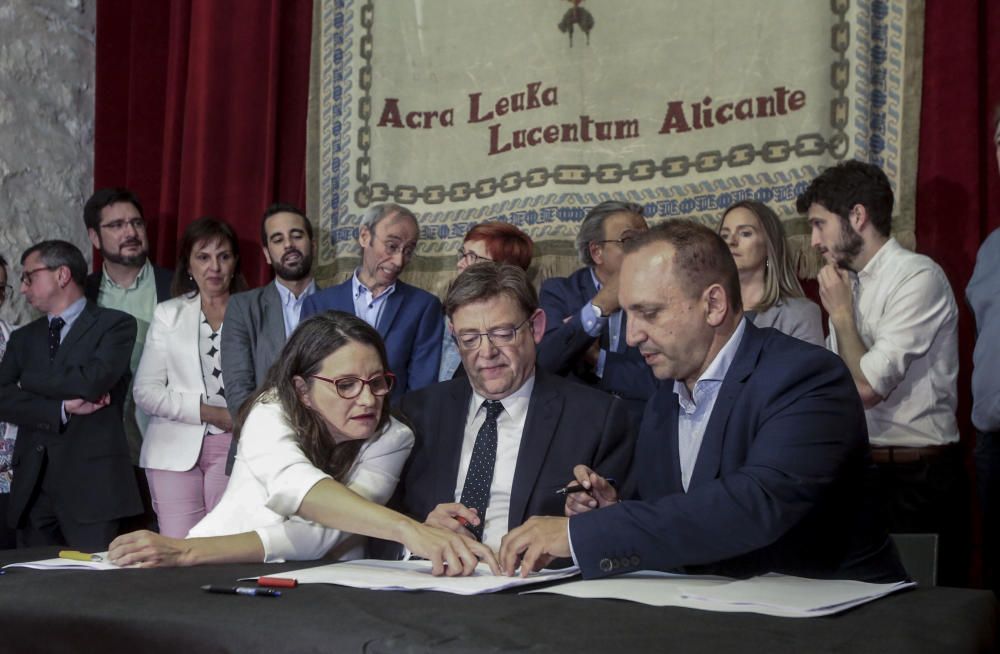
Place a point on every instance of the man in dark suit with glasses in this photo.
(495, 447)
(585, 327)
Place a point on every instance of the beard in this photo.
(130, 261)
(297, 271)
(849, 247)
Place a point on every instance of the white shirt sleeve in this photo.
(374, 476)
(914, 314)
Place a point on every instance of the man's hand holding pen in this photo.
(590, 491)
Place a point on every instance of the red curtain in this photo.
(958, 186)
(201, 109)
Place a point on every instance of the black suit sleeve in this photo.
(565, 339)
(17, 405)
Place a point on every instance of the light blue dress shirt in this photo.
(291, 306)
(366, 306)
(696, 409)
(594, 325)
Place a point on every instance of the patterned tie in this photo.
(476, 491)
(55, 328)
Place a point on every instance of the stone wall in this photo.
(46, 129)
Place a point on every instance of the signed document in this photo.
(416, 575)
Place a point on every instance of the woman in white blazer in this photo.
(318, 455)
(179, 381)
(771, 292)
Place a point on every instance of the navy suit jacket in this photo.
(783, 481)
(85, 463)
(161, 277)
(625, 372)
(410, 326)
(566, 424)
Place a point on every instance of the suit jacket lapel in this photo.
(273, 318)
(80, 326)
(392, 305)
(661, 475)
(449, 441)
(709, 460)
(539, 428)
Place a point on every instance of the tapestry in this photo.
(533, 111)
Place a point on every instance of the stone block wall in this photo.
(47, 61)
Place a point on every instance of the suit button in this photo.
(635, 561)
(605, 565)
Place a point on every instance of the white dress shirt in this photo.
(906, 315)
(272, 476)
(510, 427)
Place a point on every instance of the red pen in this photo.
(277, 582)
(465, 523)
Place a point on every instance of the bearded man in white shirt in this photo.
(893, 320)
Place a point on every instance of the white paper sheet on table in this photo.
(777, 595)
(415, 575)
(67, 564)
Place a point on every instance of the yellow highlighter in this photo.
(73, 555)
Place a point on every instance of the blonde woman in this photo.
(772, 295)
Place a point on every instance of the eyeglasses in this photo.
(393, 248)
(471, 256)
(350, 387)
(138, 224)
(28, 274)
(625, 238)
(498, 337)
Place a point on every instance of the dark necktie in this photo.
(476, 491)
(55, 328)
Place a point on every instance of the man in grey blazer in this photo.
(259, 321)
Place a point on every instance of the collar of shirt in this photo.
(144, 273)
(358, 288)
(515, 404)
(70, 315)
(593, 276)
(288, 298)
(880, 260)
(710, 380)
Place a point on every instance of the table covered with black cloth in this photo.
(164, 610)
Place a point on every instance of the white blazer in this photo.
(169, 386)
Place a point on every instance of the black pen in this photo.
(577, 488)
(243, 590)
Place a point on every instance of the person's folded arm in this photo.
(105, 365)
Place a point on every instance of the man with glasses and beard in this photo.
(893, 320)
(129, 282)
(259, 321)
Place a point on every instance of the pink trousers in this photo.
(181, 499)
